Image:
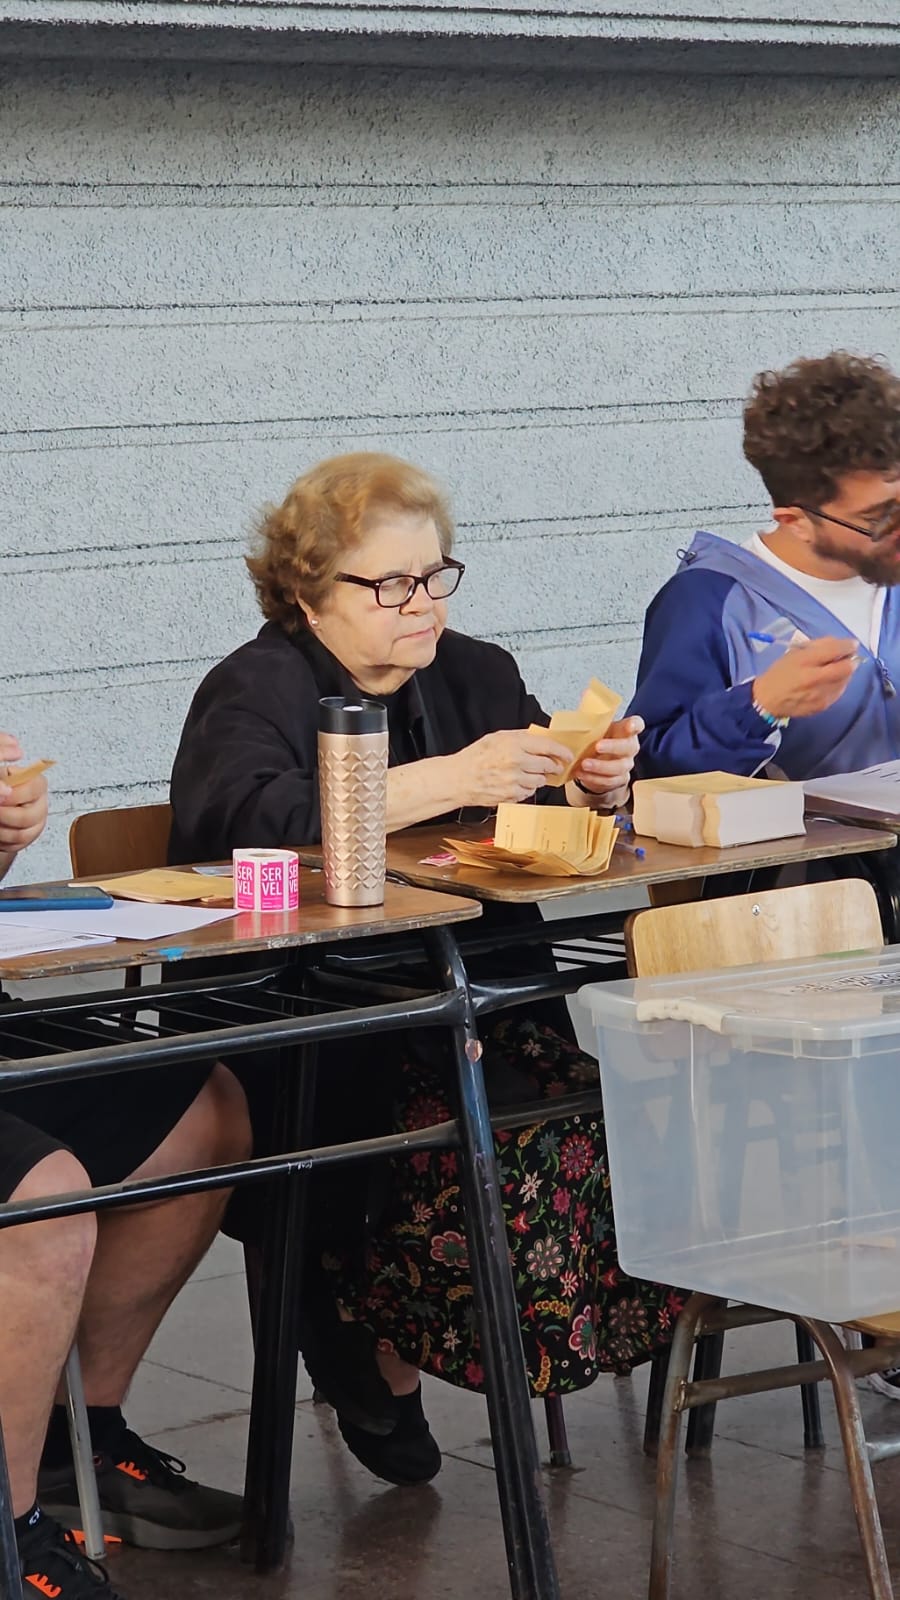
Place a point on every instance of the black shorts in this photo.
(21, 1148)
(111, 1125)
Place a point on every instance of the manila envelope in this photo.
(163, 886)
(581, 729)
(550, 841)
(14, 776)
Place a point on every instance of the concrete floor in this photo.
(757, 1520)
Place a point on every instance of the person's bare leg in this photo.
(146, 1253)
(44, 1268)
(400, 1376)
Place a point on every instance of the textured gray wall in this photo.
(550, 290)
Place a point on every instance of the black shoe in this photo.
(405, 1457)
(52, 1566)
(340, 1359)
(146, 1500)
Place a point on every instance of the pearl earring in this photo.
(314, 622)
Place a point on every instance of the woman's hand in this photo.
(606, 772)
(507, 766)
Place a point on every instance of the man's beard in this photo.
(879, 566)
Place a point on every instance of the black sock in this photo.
(28, 1519)
(105, 1423)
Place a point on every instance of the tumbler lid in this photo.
(341, 714)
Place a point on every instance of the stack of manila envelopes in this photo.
(550, 841)
(165, 886)
(717, 808)
(579, 730)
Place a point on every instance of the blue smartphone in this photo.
(55, 897)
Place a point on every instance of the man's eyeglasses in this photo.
(889, 522)
(398, 591)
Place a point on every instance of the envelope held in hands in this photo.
(580, 730)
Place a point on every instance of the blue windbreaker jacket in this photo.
(694, 685)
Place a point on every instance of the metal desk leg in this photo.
(273, 1406)
(83, 1457)
(813, 1435)
(10, 1576)
(882, 870)
(526, 1530)
(702, 1420)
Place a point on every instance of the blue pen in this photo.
(632, 849)
(788, 644)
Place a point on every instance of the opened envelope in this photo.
(581, 729)
(551, 841)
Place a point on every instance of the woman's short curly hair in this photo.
(809, 425)
(299, 545)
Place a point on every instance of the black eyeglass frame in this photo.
(868, 533)
(375, 584)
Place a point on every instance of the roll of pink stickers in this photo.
(266, 880)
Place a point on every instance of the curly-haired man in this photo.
(786, 651)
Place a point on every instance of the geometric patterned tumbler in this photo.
(353, 763)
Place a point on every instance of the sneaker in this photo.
(886, 1383)
(146, 1499)
(51, 1566)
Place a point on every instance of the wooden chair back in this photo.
(127, 840)
(813, 919)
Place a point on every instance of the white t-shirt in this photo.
(855, 603)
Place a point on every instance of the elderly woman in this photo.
(354, 573)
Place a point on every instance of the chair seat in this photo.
(888, 1324)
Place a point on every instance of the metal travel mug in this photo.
(353, 763)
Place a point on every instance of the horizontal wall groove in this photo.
(104, 678)
(439, 18)
(173, 552)
(651, 297)
(415, 427)
(622, 632)
(132, 794)
(329, 314)
(463, 300)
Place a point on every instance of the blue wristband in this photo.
(767, 717)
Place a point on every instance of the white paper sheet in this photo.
(18, 938)
(126, 919)
(875, 788)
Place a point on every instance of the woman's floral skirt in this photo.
(580, 1314)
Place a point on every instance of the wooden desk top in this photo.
(404, 909)
(662, 863)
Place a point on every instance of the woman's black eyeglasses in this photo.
(399, 590)
(888, 523)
